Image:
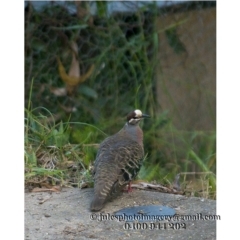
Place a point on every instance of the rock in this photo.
(71, 217)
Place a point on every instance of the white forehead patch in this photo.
(138, 113)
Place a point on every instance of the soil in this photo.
(66, 215)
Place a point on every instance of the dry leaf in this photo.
(73, 78)
(74, 70)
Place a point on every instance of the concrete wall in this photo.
(186, 82)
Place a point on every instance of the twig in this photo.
(158, 187)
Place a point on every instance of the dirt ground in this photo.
(66, 215)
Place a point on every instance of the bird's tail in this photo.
(97, 204)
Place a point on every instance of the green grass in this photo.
(51, 157)
(190, 154)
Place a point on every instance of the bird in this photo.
(118, 161)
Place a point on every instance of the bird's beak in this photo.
(145, 116)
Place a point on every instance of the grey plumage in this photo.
(118, 161)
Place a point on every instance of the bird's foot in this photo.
(129, 189)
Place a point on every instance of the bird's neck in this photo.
(134, 132)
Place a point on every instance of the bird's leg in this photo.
(129, 188)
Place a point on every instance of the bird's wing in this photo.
(117, 163)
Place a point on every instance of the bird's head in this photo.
(135, 116)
